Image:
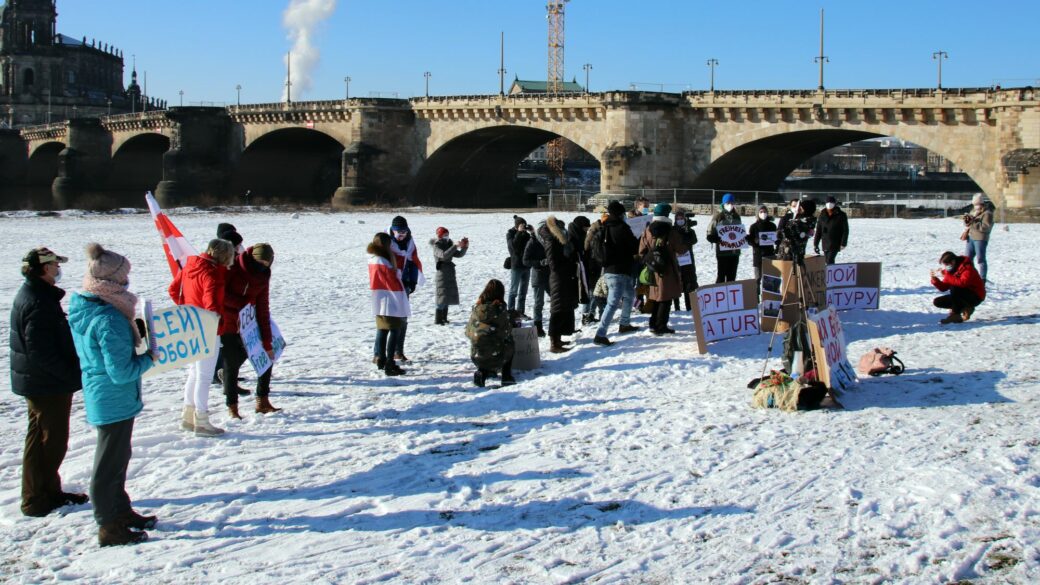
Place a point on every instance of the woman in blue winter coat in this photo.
(102, 321)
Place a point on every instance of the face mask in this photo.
(830, 206)
(680, 222)
(763, 215)
(57, 276)
(948, 268)
(646, 211)
(400, 236)
(728, 207)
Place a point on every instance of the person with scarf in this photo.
(490, 332)
(444, 252)
(103, 329)
(390, 303)
(964, 284)
(406, 258)
(201, 284)
(978, 226)
(662, 239)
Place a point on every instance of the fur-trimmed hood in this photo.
(555, 227)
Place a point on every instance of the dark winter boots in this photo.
(264, 406)
(117, 534)
(139, 522)
(441, 317)
(556, 345)
(538, 328)
(232, 411)
(953, 317)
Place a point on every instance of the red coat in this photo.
(247, 283)
(200, 284)
(963, 276)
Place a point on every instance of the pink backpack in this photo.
(880, 360)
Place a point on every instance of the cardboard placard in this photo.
(854, 286)
(249, 329)
(638, 224)
(778, 286)
(724, 311)
(766, 238)
(828, 339)
(180, 335)
(685, 259)
(526, 354)
(731, 237)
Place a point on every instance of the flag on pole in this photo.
(177, 249)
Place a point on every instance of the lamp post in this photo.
(346, 82)
(48, 90)
(181, 92)
(587, 67)
(821, 59)
(427, 76)
(712, 63)
(939, 56)
(238, 94)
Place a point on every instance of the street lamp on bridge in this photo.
(939, 56)
(712, 63)
(48, 90)
(587, 67)
(346, 82)
(181, 92)
(427, 76)
(238, 94)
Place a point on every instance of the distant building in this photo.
(47, 77)
(528, 87)
(877, 155)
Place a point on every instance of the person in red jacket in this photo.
(248, 283)
(201, 284)
(966, 288)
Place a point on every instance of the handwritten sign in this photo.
(731, 237)
(638, 224)
(828, 339)
(249, 329)
(525, 349)
(854, 286)
(180, 335)
(766, 238)
(685, 259)
(724, 311)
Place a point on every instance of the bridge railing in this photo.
(706, 201)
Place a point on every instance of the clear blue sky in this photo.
(206, 47)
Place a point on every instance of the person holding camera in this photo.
(444, 252)
(795, 229)
(519, 273)
(978, 225)
(965, 286)
(832, 228)
(687, 264)
(728, 258)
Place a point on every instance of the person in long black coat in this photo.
(832, 229)
(534, 257)
(45, 371)
(588, 269)
(563, 281)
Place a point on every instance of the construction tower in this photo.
(554, 82)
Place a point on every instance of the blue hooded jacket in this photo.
(111, 370)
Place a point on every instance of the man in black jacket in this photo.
(762, 239)
(619, 249)
(45, 370)
(519, 273)
(832, 226)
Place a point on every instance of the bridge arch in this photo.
(760, 160)
(43, 164)
(289, 165)
(478, 168)
(137, 165)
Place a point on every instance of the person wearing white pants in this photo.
(201, 284)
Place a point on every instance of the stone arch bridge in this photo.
(463, 151)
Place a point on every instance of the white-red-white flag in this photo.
(177, 249)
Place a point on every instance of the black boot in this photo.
(538, 328)
(479, 378)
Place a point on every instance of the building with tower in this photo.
(47, 77)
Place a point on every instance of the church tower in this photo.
(26, 25)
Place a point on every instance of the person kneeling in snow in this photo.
(490, 332)
(967, 290)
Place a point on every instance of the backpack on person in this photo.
(880, 361)
(598, 250)
(655, 262)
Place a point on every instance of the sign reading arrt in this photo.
(525, 349)
(732, 237)
(854, 286)
(180, 335)
(828, 339)
(724, 311)
(253, 342)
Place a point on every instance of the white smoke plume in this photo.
(301, 20)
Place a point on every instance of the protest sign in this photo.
(180, 335)
(638, 224)
(526, 355)
(731, 237)
(766, 238)
(724, 311)
(249, 329)
(685, 259)
(778, 286)
(854, 286)
(828, 339)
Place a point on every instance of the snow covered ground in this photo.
(639, 463)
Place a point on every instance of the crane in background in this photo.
(554, 151)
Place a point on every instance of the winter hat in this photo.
(442, 232)
(263, 252)
(662, 210)
(976, 199)
(39, 256)
(518, 221)
(763, 208)
(399, 223)
(104, 264)
(226, 231)
(831, 199)
(615, 208)
(727, 198)
(582, 222)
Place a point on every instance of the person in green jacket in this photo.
(490, 332)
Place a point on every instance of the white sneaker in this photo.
(203, 428)
(188, 418)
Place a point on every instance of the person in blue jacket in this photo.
(103, 329)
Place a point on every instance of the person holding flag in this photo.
(406, 258)
(390, 303)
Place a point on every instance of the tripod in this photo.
(799, 279)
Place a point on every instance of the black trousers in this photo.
(958, 300)
(46, 442)
(234, 356)
(108, 482)
(831, 256)
(659, 318)
(727, 268)
(686, 299)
